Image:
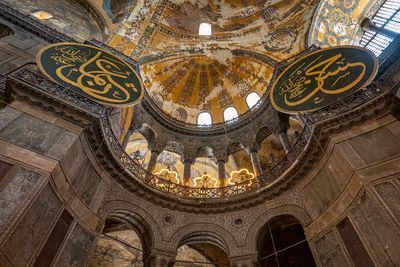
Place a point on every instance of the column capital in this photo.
(157, 258)
(156, 147)
(247, 260)
(254, 147)
(188, 156)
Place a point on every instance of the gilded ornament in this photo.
(91, 72)
(322, 78)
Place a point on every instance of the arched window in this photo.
(204, 118)
(205, 29)
(230, 114)
(387, 18)
(252, 99)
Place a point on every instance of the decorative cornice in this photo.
(25, 85)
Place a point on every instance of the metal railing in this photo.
(192, 192)
(38, 82)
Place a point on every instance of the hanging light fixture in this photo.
(167, 174)
(240, 177)
(205, 181)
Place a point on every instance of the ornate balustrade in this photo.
(191, 192)
(35, 81)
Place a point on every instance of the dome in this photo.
(209, 73)
(209, 82)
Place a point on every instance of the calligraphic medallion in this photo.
(323, 77)
(91, 72)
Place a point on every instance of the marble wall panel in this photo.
(376, 146)
(15, 191)
(322, 191)
(330, 252)
(32, 228)
(383, 234)
(77, 250)
(64, 142)
(86, 183)
(370, 237)
(4, 168)
(355, 247)
(72, 161)
(7, 115)
(54, 241)
(32, 133)
(391, 197)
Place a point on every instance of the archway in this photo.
(201, 255)
(138, 148)
(118, 245)
(281, 242)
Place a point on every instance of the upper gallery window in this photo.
(204, 118)
(205, 29)
(230, 114)
(252, 99)
(387, 17)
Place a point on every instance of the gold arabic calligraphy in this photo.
(318, 73)
(95, 75)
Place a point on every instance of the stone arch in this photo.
(5, 31)
(234, 147)
(148, 133)
(175, 147)
(98, 17)
(205, 151)
(262, 133)
(206, 233)
(282, 241)
(289, 209)
(141, 221)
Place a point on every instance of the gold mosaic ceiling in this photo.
(194, 73)
(200, 82)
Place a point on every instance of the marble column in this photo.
(126, 139)
(187, 165)
(255, 162)
(223, 181)
(283, 137)
(152, 161)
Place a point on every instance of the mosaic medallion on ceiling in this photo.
(337, 22)
(213, 82)
(276, 28)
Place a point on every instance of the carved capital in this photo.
(157, 258)
(248, 260)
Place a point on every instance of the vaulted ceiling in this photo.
(190, 73)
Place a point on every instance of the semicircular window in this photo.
(252, 99)
(230, 114)
(204, 119)
(388, 19)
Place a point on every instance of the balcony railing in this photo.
(38, 82)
